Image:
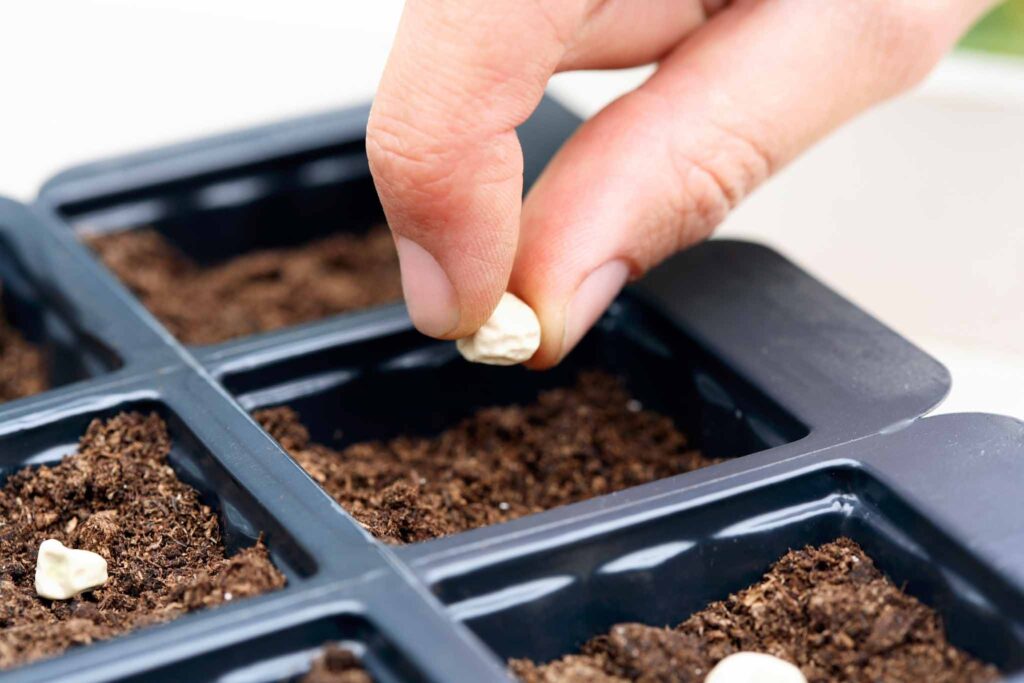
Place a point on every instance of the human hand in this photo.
(741, 88)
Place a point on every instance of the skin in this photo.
(741, 88)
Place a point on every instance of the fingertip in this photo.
(591, 299)
(430, 298)
(595, 293)
(552, 324)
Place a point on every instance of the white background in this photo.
(914, 211)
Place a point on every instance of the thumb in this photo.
(658, 169)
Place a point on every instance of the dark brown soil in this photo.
(337, 665)
(117, 497)
(499, 464)
(22, 364)
(255, 292)
(828, 610)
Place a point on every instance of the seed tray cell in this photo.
(46, 320)
(243, 519)
(278, 186)
(282, 647)
(286, 655)
(375, 389)
(815, 405)
(660, 569)
(56, 299)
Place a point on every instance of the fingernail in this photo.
(429, 295)
(592, 297)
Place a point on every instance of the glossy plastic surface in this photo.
(662, 568)
(49, 322)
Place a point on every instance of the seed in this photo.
(63, 572)
(511, 335)
(754, 667)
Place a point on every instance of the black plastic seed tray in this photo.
(815, 404)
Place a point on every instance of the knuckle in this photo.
(906, 38)
(400, 153)
(434, 161)
(697, 202)
(715, 179)
(711, 168)
(412, 171)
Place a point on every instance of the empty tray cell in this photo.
(343, 649)
(40, 347)
(665, 565)
(135, 486)
(251, 248)
(404, 433)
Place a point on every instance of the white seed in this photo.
(754, 667)
(63, 573)
(511, 335)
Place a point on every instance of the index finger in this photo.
(443, 150)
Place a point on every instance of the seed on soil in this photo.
(827, 609)
(501, 463)
(22, 364)
(510, 336)
(63, 572)
(257, 291)
(754, 667)
(165, 552)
